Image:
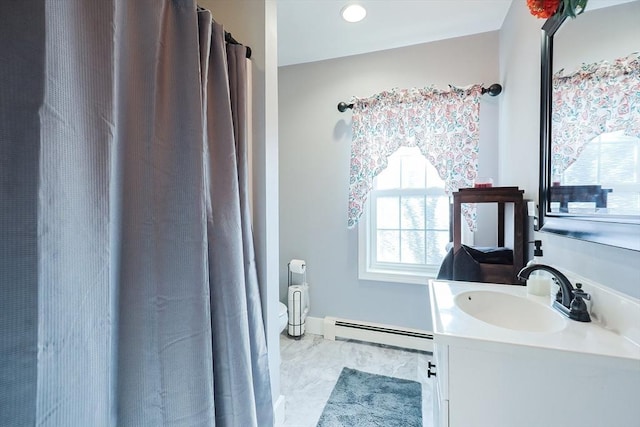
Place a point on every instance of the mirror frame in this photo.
(618, 232)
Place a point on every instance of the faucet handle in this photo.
(578, 309)
(578, 292)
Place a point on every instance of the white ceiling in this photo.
(313, 30)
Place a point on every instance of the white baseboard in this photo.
(315, 325)
(278, 411)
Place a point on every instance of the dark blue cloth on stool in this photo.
(465, 264)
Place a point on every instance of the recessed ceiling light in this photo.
(353, 13)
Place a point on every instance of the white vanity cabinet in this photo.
(579, 374)
(508, 386)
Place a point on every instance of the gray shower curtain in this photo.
(126, 257)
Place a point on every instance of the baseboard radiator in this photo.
(380, 334)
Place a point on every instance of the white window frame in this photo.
(389, 272)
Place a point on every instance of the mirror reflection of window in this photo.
(595, 75)
(611, 160)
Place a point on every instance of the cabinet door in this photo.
(441, 360)
(441, 385)
(442, 417)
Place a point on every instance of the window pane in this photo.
(388, 249)
(623, 203)
(585, 169)
(618, 163)
(413, 213)
(433, 179)
(390, 176)
(413, 247)
(438, 212)
(413, 171)
(436, 246)
(611, 157)
(388, 212)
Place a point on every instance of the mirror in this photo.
(590, 166)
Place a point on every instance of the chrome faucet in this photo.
(571, 302)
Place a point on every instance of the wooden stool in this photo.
(495, 273)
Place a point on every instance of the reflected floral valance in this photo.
(443, 124)
(598, 98)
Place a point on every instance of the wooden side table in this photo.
(495, 273)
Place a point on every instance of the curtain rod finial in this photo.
(342, 106)
(493, 90)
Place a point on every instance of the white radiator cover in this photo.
(376, 333)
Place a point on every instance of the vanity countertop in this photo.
(451, 323)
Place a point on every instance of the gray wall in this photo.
(519, 144)
(314, 147)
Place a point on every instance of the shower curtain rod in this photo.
(228, 37)
(493, 90)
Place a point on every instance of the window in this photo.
(613, 161)
(405, 228)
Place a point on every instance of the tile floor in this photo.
(311, 366)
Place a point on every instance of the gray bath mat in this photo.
(362, 399)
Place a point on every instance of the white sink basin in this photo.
(509, 311)
(485, 314)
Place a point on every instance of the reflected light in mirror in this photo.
(611, 160)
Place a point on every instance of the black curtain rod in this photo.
(493, 90)
(228, 37)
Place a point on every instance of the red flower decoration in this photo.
(543, 8)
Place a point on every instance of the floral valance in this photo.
(598, 98)
(443, 124)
